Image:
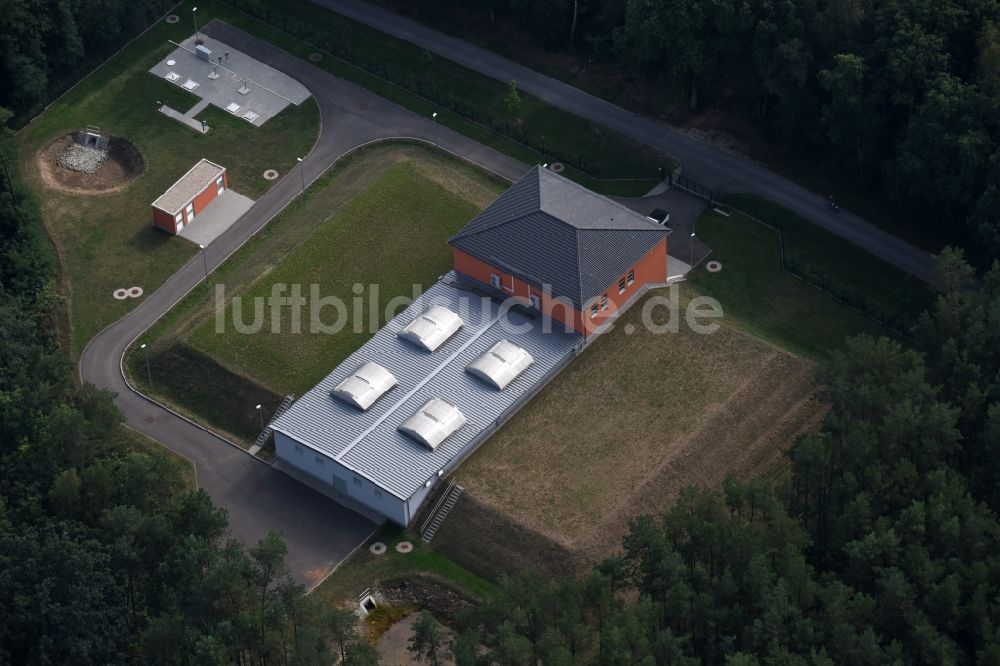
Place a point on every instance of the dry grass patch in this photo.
(632, 421)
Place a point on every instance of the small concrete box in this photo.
(204, 52)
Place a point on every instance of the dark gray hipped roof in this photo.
(550, 231)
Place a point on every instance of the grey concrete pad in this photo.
(218, 216)
(270, 91)
(182, 118)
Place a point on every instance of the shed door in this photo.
(178, 223)
(219, 186)
(189, 212)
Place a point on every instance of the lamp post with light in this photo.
(149, 372)
(302, 173)
(260, 411)
(194, 17)
(434, 117)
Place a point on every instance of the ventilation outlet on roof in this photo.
(433, 423)
(432, 328)
(500, 364)
(364, 386)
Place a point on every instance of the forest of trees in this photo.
(901, 98)
(46, 45)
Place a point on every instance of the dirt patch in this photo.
(619, 433)
(123, 165)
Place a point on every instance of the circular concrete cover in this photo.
(713, 266)
(173, 18)
(315, 56)
(120, 294)
(135, 292)
(404, 547)
(377, 548)
(557, 167)
(270, 174)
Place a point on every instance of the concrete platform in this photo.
(267, 90)
(216, 218)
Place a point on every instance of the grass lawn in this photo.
(765, 300)
(106, 241)
(886, 288)
(389, 238)
(363, 569)
(382, 216)
(457, 93)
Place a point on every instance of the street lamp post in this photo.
(261, 412)
(204, 260)
(691, 257)
(434, 117)
(302, 173)
(194, 17)
(149, 373)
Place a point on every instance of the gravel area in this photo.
(82, 158)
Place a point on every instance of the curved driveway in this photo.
(259, 499)
(703, 162)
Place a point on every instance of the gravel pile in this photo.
(82, 158)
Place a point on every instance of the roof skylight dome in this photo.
(500, 364)
(364, 386)
(431, 329)
(433, 422)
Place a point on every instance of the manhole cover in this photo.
(377, 548)
(557, 167)
(270, 174)
(713, 266)
(149, 419)
(135, 292)
(120, 294)
(173, 18)
(315, 57)
(404, 547)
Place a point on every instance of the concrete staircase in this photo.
(266, 432)
(441, 510)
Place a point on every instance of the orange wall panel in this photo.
(652, 268)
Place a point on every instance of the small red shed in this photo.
(178, 206)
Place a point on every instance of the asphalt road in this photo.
(703, 162)
(259, 499)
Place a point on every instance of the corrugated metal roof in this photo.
(552, 231)
(369, 442)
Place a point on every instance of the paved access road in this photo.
(701, 161)
(259, 499)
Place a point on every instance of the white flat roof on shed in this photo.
(188, 186)
(370, 444)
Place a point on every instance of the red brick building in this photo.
(574, 255)
(188, 197)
